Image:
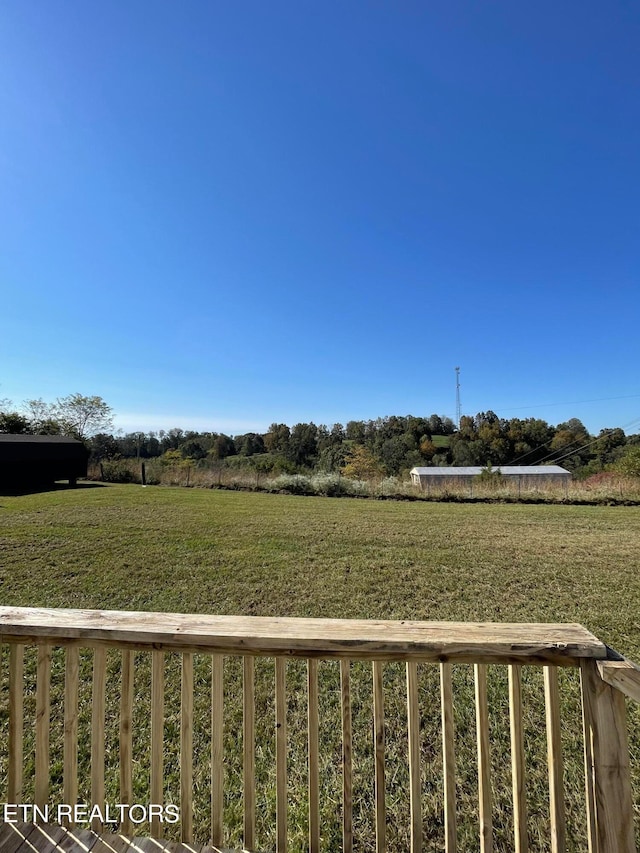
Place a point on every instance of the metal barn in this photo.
(524, 475)
(28, 459)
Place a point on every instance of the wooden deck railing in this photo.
(60, 636)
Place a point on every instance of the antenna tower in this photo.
(458, 407)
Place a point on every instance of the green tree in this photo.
(14, 423)
(609, 446)
(277, 439)
(82, 416)
(570, 444)
(529, 439)
(436, 427)
(249, 444)
(355, 431)
(303, 447)
(629, 464)
(103, 446)
(332, 458)
(192, 449)
(394, 452)
(223, 446)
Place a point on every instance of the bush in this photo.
(330, 485)
(295, 484)
(629, 464)
(490, 477)
(391, 486)
(119, 471)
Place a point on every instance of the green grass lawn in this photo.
(125, 547)
(441, 440)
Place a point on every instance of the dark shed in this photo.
(41, 459)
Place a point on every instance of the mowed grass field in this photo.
(207, 551)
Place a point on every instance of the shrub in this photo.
(119, 471)
(295, 484)
(489, 476)
(391, 486)
(330, 485)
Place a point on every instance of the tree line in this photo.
(388, 446)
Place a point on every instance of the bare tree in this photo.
(82, 416)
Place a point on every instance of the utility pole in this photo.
(458, 407)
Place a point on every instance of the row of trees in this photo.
(385, 446)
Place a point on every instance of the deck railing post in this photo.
(126, 733)
(555, 760)
(157, 735)
(484, 759)
(43, 714)
(379, 746)
(609, 802)
(70, 754)
(248, 748)
(16, 721)
(313, 756)
(186, 747)
(98, 696)
(217, 749)
(347, 757)
(448, 758)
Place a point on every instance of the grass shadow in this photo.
(13, 490)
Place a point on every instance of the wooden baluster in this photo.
(97, 732)
(484, 758)
(448, 758)
(590, 794)
(281, 756)
(186, 748)
(554, 760)
(70, 755)
(413, 726)
(126, 736)
(314, 763)
(217, 749)
(609, 797)
(43, 714)
(16, 721)
(248, 745)
(347, 753)
(378, 729)
(517, 760)
(157, 736)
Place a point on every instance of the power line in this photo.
(567, 403)
(580, 447)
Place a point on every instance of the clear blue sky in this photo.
(222, 214)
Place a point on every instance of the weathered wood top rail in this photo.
(441, 642)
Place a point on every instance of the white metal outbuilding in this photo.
(525, 475)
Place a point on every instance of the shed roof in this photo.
(38, 439)
(24, 448)
(474, 470)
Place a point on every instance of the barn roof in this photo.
(474, 470)
(18, 448)
(38, 439)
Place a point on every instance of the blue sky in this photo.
(219, 215)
